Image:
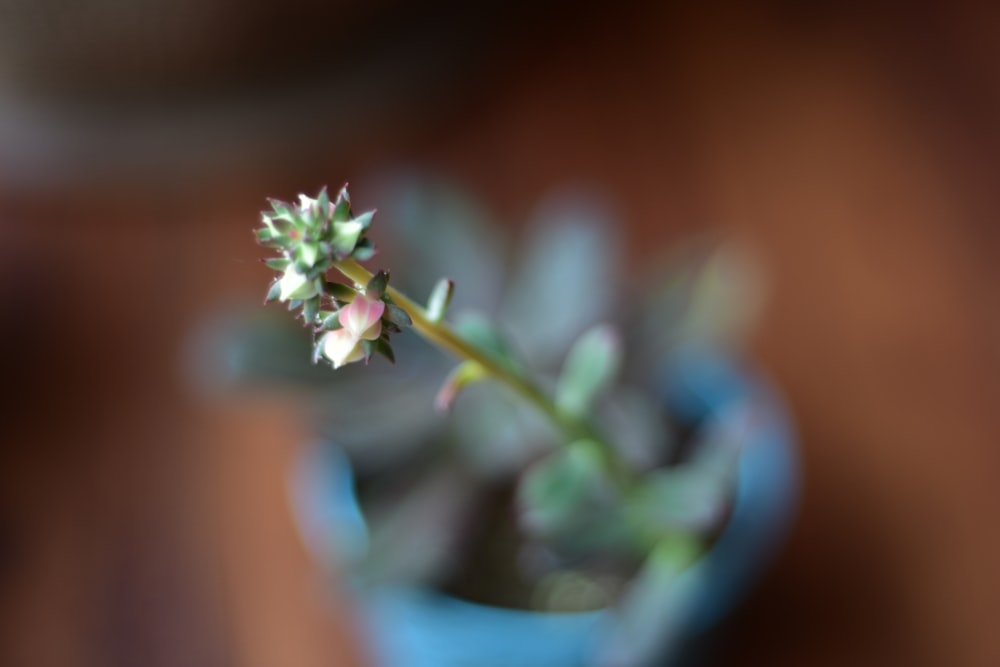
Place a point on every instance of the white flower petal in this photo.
(341, 347)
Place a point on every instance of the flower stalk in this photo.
(439, 333)
(352, 322)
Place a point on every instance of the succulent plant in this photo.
(570, 437)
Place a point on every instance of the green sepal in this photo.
(397, 316)
(369, 347)
(328, 320)
(364, 250)
(342, 207)
(278, 207)
(375, 289)
(310, 308)
(440, 299)
(365, 219)
(274, 292)
(383, 347)
(345, 237)
(323, 203)
(277, 263)
(308, 254)
(283, 213)
(317, 352)
(275, 241)
(294, 303)
(339, 291)
(265, 235)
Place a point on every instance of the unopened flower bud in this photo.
(310, 207)
(295, 285)
(306, 203)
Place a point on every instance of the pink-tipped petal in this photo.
(362, 317)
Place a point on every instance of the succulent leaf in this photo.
(440, 299)
(461, 376)
(590, 369)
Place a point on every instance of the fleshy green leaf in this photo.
(463, 375)
(589, 370)
(685, 497)
(568, 259)
(440, 299)
(560, 493)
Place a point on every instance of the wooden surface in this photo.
(143, 523)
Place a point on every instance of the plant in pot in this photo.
(587, 476)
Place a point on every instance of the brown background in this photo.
(143, 522)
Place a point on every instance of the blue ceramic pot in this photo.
(424, 628)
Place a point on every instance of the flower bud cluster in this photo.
(351, 322)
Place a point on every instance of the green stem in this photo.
(443, 336)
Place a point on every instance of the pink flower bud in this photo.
(342, 347)
(363, 317)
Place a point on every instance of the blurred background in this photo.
(854, 145)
